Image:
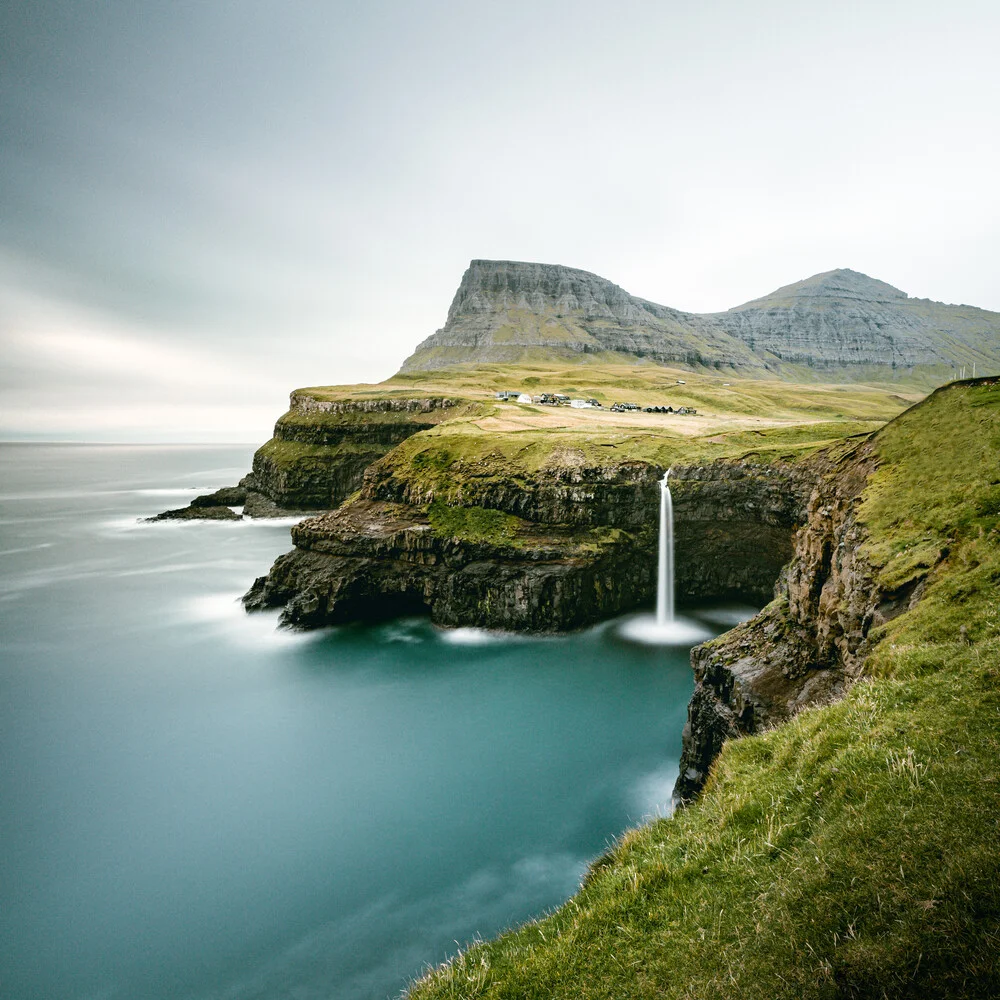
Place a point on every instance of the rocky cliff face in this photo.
(371, 560)
(734, 522)
(809, 643)
(321, 448)
(843, 319)
(584, 546)
(734, 519)
(837, 326)
(508, 311)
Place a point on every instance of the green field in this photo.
(734, 418)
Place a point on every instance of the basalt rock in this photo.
(734, 518)
(806, 646)
(209, 506)
(586, 534)
(228, 496)
(565, 491)
(193, 513)
(733, 525)
(371, 560)
(509, 311)
(321, 448)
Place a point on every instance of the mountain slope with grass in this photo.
(853, 851)
(839, 326)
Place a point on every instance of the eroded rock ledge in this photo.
(579, 545)
(808, 644)
(373, 559)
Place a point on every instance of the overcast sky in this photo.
(205, 204)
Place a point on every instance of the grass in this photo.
(853, 852)
(644, 384)
(483, 437)
(472, 524)
(295, 456)
(442, 461)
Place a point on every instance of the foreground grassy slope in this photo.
(855, 851)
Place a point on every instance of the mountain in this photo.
(510, 311)
(835, 327)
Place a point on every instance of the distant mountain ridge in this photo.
(838, 326)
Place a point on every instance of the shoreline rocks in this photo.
(372, 560)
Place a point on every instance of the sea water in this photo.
(197, 804)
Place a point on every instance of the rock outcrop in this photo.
(733, 525)
(807, 645)
(321, 448)
(372, 560)
(210, 512)
(584, 534)
(843, 321)
(319, 453)
(835, 327)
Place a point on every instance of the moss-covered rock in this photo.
(372, 559)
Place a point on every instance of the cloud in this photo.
(70, 371)
(297, 191)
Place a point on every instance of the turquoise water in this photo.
(198, 805)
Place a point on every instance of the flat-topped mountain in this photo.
(510, 311)
(837, 326)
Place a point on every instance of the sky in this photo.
(207, 203)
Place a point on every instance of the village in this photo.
(560, 399)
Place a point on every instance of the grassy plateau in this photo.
(768, 419)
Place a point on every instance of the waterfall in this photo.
(665, 629)
(665, 575)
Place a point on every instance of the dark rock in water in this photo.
(193, 513)
(378, 560)
(228, 496)
(259, 505)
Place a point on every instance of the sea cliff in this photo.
(558, 549)
(844, 842)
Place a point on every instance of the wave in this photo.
(469, 636)
(225, 612)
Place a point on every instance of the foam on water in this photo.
(402, 630)
(226, 612)
(678, 632)
(467, 636)
(172, 524)
(653, 792)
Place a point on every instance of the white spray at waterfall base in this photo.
(665, 629)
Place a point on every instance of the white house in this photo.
(524, 398)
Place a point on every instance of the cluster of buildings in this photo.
(559, 399)
(551, 399)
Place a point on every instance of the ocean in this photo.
(196, 804)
